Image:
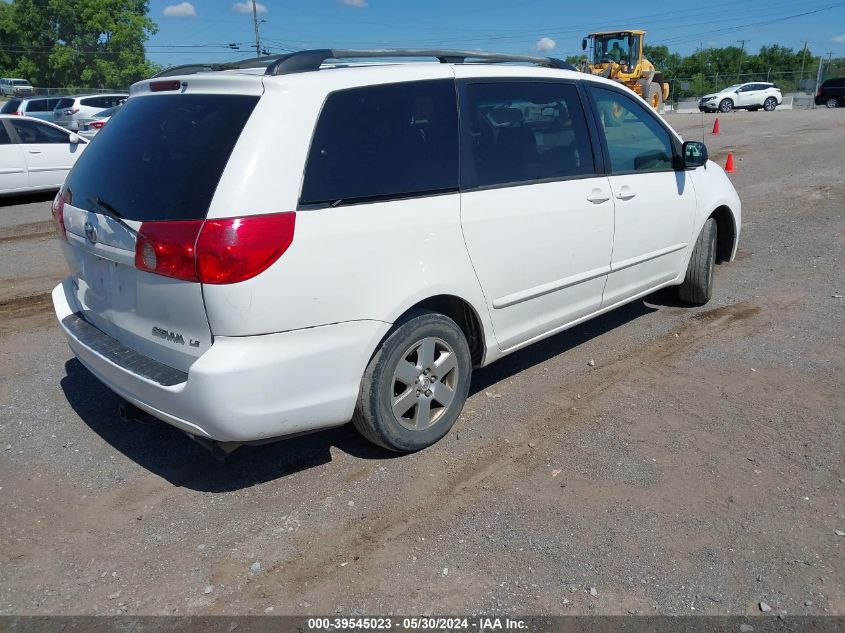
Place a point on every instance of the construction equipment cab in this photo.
(618, 55)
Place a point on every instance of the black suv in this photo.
(832, 93)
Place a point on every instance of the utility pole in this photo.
(741, 55)
(255, 23)
(803, 58)
(818, 79)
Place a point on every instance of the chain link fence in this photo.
(792, 82)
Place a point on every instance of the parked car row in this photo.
(35, 155)
(67, 111)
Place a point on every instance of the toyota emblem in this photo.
(91, 232)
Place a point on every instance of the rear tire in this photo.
(726, 105)
(770, 104)
(832, 102)
(416, 383)
(697, 287)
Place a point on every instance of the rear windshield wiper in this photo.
(113, 213)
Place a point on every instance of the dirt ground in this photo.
(696, 468)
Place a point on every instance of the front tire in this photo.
(726, 105)
(770, 104)
(654, 96)
(415, 385)
(832, 102)
(697, 287)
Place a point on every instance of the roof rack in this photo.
(311, 60)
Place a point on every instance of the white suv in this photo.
(750, 96)
(69, 111)
(259, 252)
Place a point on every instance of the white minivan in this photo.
(305, 240)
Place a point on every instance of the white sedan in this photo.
(35, 155)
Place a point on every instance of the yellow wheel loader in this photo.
(618, 55)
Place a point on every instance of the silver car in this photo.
(71, 110)
(35, 107)
(89, 127)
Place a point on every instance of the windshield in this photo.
(622, 48)
(20, 82)
(10, 106)
(162, 157)
(105, 114)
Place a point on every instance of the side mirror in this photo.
(695, 154)
(584, 44)
(73, 138)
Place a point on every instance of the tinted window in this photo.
(524, 131)
(162, 158)
(31, 132)
(635, 140)
(4, 135)
(93, 102)
(38, 105)
(384, 141)
(64, 103)
(10, 106)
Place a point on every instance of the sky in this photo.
(201, 30)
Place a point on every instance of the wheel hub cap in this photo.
(424, 383)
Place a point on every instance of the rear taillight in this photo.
(70, 112)
(223, 251)
(96, 124)
(19, 113)
(58, 211)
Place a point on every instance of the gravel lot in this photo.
(697, 467)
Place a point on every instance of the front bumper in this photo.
(242, 389)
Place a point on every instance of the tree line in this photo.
(79, 43)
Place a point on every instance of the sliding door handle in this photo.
(597, 196)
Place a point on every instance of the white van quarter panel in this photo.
(350, 263)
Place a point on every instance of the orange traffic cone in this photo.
(729, 164)
(716, 126)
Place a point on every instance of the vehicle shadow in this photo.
(170, 454)
(27, 198)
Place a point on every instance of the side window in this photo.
(4, 135)
(37, 105)
(32, 132)
(384, 141)
(635, 140)
(522, 132)
(94, 102)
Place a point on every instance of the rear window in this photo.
(64, 103)
(382, 142)
(10, 106)
(162, 157)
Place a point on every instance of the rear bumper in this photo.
(243, 388)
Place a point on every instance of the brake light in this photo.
(58, 211)
(222, 251)
(70, 112)
(96, 124)
(19, 113)
(158, 86)
(167, 248)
